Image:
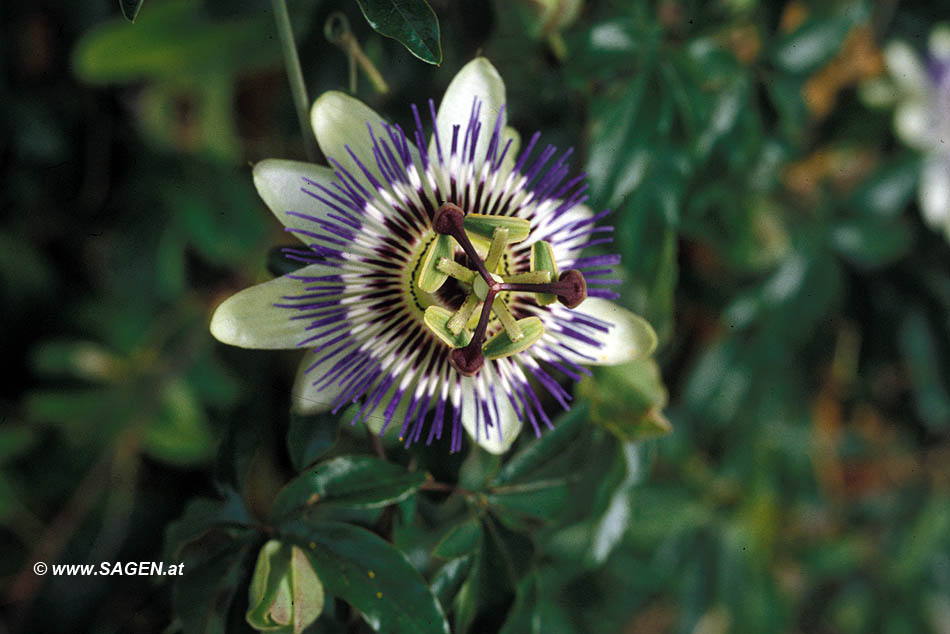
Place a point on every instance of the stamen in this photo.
(463, 314)
(507, 320)
(516, 335)
(455, 270)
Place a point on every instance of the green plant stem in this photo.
(295, 76)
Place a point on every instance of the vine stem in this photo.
(295, 76)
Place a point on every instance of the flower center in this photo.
(465, 330)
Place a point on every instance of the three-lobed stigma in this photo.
(465, 330)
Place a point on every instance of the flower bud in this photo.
(286, 594)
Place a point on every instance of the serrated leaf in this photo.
(370, 574)
(130, 8)
(413, 23)
(361, 482)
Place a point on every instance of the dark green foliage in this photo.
(411, 22)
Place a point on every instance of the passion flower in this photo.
(441, 284)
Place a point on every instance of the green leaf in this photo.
(503, 557)
(542, 498)
(888, 190)
(870, 242)
(180, 434)
(524, 617)
(15, 440)
(370, 574)
(309, 437)
(618, 157)
(175, 39)
(461, 540)
(215, 568)
(534, 457)
(628, 399)
(359, 482)
(130, 8)
(918, 343)
(201, 516)
(610, 527)
(413, 23)
(814, 42)
(449, 579)
(81, 359)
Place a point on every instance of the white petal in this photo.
(489, 439)
(630, 338)
(339, 121)
(906, 68)
(479, 79)
(376, 418)
(564, 252)
(912, 124)
(308, 399)
(935, 191)
(512, 156)
(939, 42)
(280, 184)
(249, 318)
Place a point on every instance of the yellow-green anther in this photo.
(507, 320)
(436, 319)
(502, 346)
(530, 277)
(453, 269)
(484, 226)
(430, 278)
(542, 259)
(498, 241)
(463, 314)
